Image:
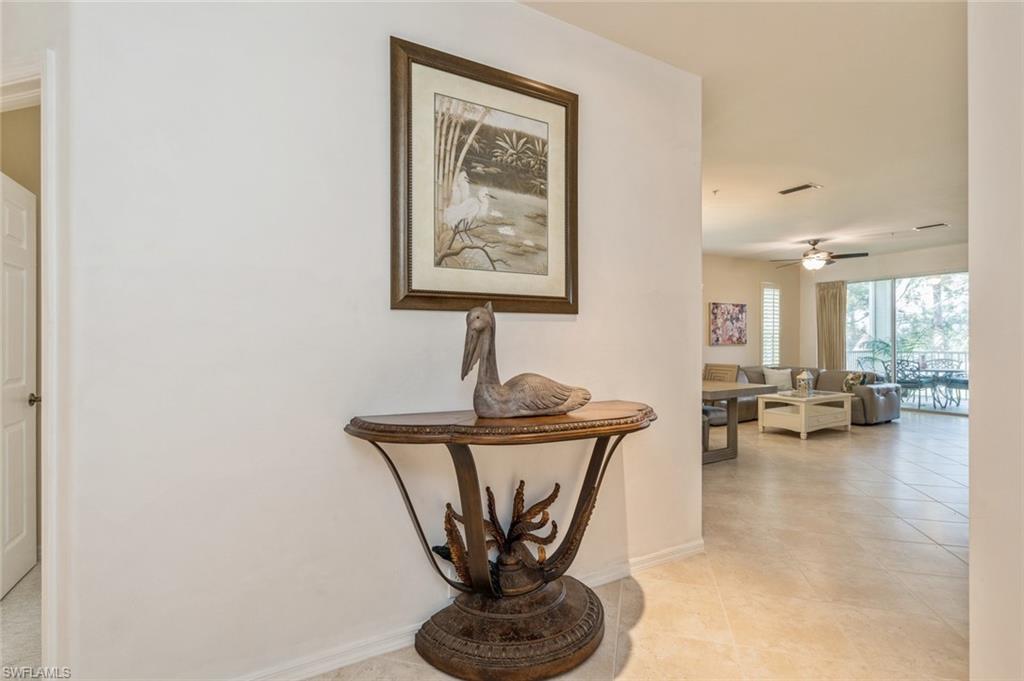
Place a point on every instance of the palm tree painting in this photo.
(490, 189)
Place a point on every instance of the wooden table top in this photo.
(596, 419)
(723, 390)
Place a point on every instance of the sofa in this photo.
(872, 403)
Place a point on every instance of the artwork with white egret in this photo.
(483, 186)
(491, 189)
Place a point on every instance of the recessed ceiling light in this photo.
(936, 225)
(800, 188)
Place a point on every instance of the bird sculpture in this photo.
(522, 395)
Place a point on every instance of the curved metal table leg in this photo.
(564, 555)
(416, 522)
(473, 516)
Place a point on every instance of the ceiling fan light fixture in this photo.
(812, 264)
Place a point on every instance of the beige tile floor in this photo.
(839, 557)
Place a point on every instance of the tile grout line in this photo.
(861, 657)
(725, 613)
(615, 633)
(934, 612)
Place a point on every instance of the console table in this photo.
(517, 616)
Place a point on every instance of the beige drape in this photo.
(831, 324)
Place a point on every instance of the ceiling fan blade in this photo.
(840, 256)
(795, 262)
(786, 260)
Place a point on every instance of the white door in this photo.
(18, 367)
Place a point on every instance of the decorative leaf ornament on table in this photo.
(511, 546)
(522, 395)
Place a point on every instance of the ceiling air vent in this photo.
(792, 190)
(936, 225)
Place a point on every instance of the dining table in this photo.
(939, 381)
(730, 393)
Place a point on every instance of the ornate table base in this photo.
(517, 617)
(535, 636)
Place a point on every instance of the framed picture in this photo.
(727, 324)
(483, 187)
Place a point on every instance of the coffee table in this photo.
(804, 414)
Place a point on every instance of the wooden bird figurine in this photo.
(522, 395)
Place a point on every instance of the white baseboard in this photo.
(333, 658)
(607, 574)
(665, 555)
(341, 656)
(626, 568)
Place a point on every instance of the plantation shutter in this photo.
(769, 325)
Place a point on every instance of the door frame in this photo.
(53, 488)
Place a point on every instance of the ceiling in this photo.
(868, 100)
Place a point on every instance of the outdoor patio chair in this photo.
(942, 391)
(908, 375)
(948, 386)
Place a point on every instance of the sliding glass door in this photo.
(931, 341)
(869, 326)
(913, 331)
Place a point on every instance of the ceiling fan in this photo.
(815, 258)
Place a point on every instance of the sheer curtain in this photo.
(831, 324)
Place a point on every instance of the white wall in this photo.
(996, 141)
(738, 280)
(225, 252)
(905, 264)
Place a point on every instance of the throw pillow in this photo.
(853, 378)
(783, 378)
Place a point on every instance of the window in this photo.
(769, 325)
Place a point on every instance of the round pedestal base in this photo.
(518, 638)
